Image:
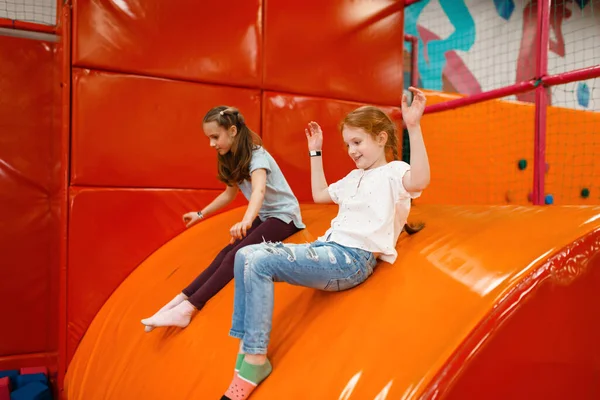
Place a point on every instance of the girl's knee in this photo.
(243, 253)
(241, 258)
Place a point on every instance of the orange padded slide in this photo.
(510, 290)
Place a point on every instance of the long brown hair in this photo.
(374, 121)
(234, 167)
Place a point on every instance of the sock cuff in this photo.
(238, 361)
(254, 374)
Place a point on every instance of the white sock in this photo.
(173, 303)
(179, 316)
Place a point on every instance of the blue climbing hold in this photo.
(583, 94)
(582, 3)
(522, 164)
(549, 199)
(585, 193)
(505, 8)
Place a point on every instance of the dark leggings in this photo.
(220, 271)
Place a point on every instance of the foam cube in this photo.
(23, 380)
(5, 388)
(11, 375)
(34, 370)
(32, 391)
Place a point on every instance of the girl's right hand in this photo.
(191, 218)
(314, 135)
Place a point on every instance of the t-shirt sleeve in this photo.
(398, 170)
(260, 161)
(337, 189)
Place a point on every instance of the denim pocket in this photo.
(356, 278)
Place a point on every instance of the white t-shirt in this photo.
(373, 208)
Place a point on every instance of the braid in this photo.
(395, 152)
(411, 229)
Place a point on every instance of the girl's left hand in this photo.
(238, 231)
(412, 114)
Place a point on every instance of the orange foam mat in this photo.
(405, 333)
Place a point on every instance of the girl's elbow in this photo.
(317, 199)
(425, 184)
(420, 185)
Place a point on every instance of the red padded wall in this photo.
(345, 49)
(132, 131)
(284, 119)
(208, 41)
(110, 232)
(29, 196)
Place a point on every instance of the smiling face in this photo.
(366, 151)
(221, 139)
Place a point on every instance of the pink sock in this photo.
(247, 379)
(239, 389)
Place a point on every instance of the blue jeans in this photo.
(319, 265)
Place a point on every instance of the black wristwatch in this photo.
(314, 153)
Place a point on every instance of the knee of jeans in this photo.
(241, 258)
(278, 249)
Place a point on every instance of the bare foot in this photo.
(180, 298)
(179, 316)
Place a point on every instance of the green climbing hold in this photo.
(585, 193)
(522, 164)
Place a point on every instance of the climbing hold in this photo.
(530, 197)
(582, 3)
(585, 193)
(549, 199)
(522, 164)
(504, 8)
(583, 94)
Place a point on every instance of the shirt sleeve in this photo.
(337, 189)
(398, 170)
(259, 161)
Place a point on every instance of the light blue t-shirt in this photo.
(279, 202)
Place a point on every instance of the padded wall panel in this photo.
(284, 119)
(110, 232)
(146, 132)
(29, 196)
(347, 49)
(195, 40)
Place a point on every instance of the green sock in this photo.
(255, 373)
(238, 361)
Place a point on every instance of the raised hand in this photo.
(412, 114)
(314, 135)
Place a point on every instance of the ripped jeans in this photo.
(319, 265)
